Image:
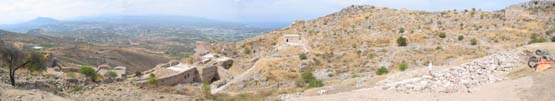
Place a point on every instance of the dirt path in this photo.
(241, 77)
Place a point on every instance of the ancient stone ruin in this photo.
(208, 70)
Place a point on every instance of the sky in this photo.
(258, 11)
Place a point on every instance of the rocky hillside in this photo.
(359, 39)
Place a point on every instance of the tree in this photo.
(17, 59)
(88, 72)
(402, 41)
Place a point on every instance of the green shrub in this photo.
(553, 39)
(401, 30)
(473, 41)
(110, 74)
(442, 35)
(309, 79)
(536, 39)
(88, 72)
(152, 79)
(206, 92)
(461, 38)
(302, 56)
(402, 41)
(381, 71)
(403, 66)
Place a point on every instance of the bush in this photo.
(382, 71)
(110, 74)
(538, 40)
(401, 30)
(535, 39)
(138, 74)
(311, 80)
(403, 66)
(152, 79)
(553, 39)
(473, 41)
(206, 92)
(88, 72)
(402, 41)
(461, 38)
(37, 63)
(442, 35)
(302, 56)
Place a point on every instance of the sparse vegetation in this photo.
(382, 70)
(70, 75)
(401, 30)
(302, 56)
(460, 38)
(536, 39)
(88, 72)
(152, 79)
(138, 74)
(17, 59)
(473, 41)
(442, 35)
(110, 74)
(402, 41)
(206, 92)
(309, 79)
(403, 66)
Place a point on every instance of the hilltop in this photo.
(358, 40)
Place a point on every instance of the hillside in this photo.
(358, 40)
(75, 53)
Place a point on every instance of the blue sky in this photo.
(15, 11)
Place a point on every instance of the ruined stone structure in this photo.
(173, 72)
(119, 70)
(292, 38)
(180, 73)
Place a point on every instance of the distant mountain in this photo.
(32, 24)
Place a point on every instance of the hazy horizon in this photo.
(241, 11)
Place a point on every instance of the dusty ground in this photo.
(536, 87)
(8, 93)
(533, 86)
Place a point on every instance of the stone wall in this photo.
(462, 78)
